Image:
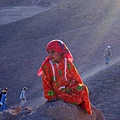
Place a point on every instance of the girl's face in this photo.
(54, 56)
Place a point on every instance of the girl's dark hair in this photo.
(4, 91)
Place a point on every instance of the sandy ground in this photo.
(98, 68)
(12, 14)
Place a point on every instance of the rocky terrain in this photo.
(87, 27)
(58, 110)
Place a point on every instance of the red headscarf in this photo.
(60, 47)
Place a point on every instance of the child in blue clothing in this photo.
(3, 100)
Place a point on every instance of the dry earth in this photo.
(87, 27)
(15, 13)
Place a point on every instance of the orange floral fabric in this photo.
(70, 90)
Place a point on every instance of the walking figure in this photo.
(107, 54)
(23, 97)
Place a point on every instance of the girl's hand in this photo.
(52, 100)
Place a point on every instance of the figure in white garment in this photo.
(23, 97)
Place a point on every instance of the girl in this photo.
(60, 78)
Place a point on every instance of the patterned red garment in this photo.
(69, 87)
(62, 80)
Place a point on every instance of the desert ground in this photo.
(15, 13)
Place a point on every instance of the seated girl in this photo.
(61, 79)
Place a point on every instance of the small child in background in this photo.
(23, 97)
(107, 54)
(61, 79)
(3, 101)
